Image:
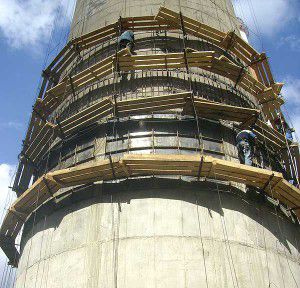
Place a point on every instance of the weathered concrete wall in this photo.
(92, 14)
(159, 237)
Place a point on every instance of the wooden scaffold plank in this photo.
(140, 165)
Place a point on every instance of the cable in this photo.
(7, 202)
(281, 234)
(275, 208)
(232, 269)
(201, 239)
(33, 224)
(256, 23)
(39, 261)
(282, 121)
(184, 39)
(31, 238)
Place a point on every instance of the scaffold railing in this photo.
(246, 117)
(131, 165)
(167, 20)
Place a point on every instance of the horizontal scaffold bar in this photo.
(167, 20)
(131, 165)
(179, 101)
(206, 60)
(205, 109)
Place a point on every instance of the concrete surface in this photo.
(159, 237)
(92, 14)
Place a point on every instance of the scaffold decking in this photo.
(132, 165)
(267, 90)
(179, 101)
(206, 60)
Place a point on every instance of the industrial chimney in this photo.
(132, 155)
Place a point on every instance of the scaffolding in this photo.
(251, 74)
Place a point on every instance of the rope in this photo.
(256, 23)
(115, 239)
(47, 272)
(288, 147)
(184, 38)
(201, 239)
(224, 228)
(281, 235)
(48, 51)
(286, 112)
(256, 34)
(276, 212)
(116, 72)
(8, 200)
(34, 220)
(45, 217)
(31, 238)
(38, 269)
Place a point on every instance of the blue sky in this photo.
(31, 31)
(27, 36)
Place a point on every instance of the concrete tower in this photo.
(155, 218)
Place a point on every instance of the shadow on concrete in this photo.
(253, 205)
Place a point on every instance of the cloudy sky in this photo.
(32, 32)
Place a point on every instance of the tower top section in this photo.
(90, 15)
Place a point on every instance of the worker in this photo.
(245, 144)
(289, 134)
(283, 127)
(126, 40)
(294, 182)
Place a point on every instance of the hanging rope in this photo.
(201, 239)
(281, 234)
(268, 184)
(6, 272)
(283, 128)
(184, 38)
(40, 254)
(45, 216)
(225, 233)
(31, 237)
(34, 220)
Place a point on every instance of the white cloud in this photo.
(292, 41)
(29, 23)
(6, 174)
(291, 93)
(266, 16)
(6, 198)
(291, 90)
(12, 124)
(296, 124)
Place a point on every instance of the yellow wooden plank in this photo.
(147, 165)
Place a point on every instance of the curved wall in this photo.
(170, 234)
(92, 14)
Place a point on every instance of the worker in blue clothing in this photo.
(284, 128)
(126, 40)
(289, 134)
(245, 144)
